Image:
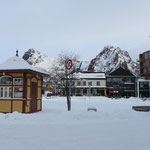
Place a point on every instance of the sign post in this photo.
(68, 66)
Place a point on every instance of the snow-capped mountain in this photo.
(39, 60)
(111, 58)
(108, 60)
(35, 58)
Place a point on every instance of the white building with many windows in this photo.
(88, 84)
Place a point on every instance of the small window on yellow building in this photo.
(5, 80)
(5, 92)
(18, 81)
(18, 92)
(5, 87)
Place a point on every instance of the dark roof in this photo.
(121, 72)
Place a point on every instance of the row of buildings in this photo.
(119, 83)
(21, 84)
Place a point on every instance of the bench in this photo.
(141, 108)
(93, 109)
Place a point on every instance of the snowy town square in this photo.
(75, 75)
(114, 126)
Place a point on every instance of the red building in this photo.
(145, 64)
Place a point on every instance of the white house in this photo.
(88, 84)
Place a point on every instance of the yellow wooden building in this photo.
(20, 86)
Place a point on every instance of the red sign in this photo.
(69, 64)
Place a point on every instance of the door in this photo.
(34, 97)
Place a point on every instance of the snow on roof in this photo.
(89, 75)
(17, 63)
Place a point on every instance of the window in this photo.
(18, 92)
(147, 63)
(84, 83)
(145, 71)
(109, 79)
(128, 80)
(98, 83)
(89, 83)
(18, 81)
(146, 55)
(72, 83)
(144, 85)
(78, 92)
(5, 80)
(5, 88)
(5, 92)
(84, 91)
(78, 83)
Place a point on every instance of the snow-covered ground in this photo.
(115, 126)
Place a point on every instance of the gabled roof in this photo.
(121, 72)
(16, 63)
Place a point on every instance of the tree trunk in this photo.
(67, 94)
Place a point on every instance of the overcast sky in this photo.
(81, 26)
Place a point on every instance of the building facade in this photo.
(87, 84)
(20, 87)
(144, 59)
(143, 88)
(121, 83)
(143, 84)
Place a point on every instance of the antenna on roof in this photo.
(17, 53)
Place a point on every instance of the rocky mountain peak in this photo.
(108, 60)
(37, 59)
(33, 56)
(111, 58)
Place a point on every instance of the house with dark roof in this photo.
(121, 83)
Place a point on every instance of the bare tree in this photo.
(61, 73)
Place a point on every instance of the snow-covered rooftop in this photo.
(89, 75)
(17, 63)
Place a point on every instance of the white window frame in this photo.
(14, 92)
(17, 79)
(4, 77)
(6, 88)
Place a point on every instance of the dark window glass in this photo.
(89, 83)
(98, 83)
(6, 81)
(84, 83)
(78, 83)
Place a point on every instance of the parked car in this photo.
(48, 94)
